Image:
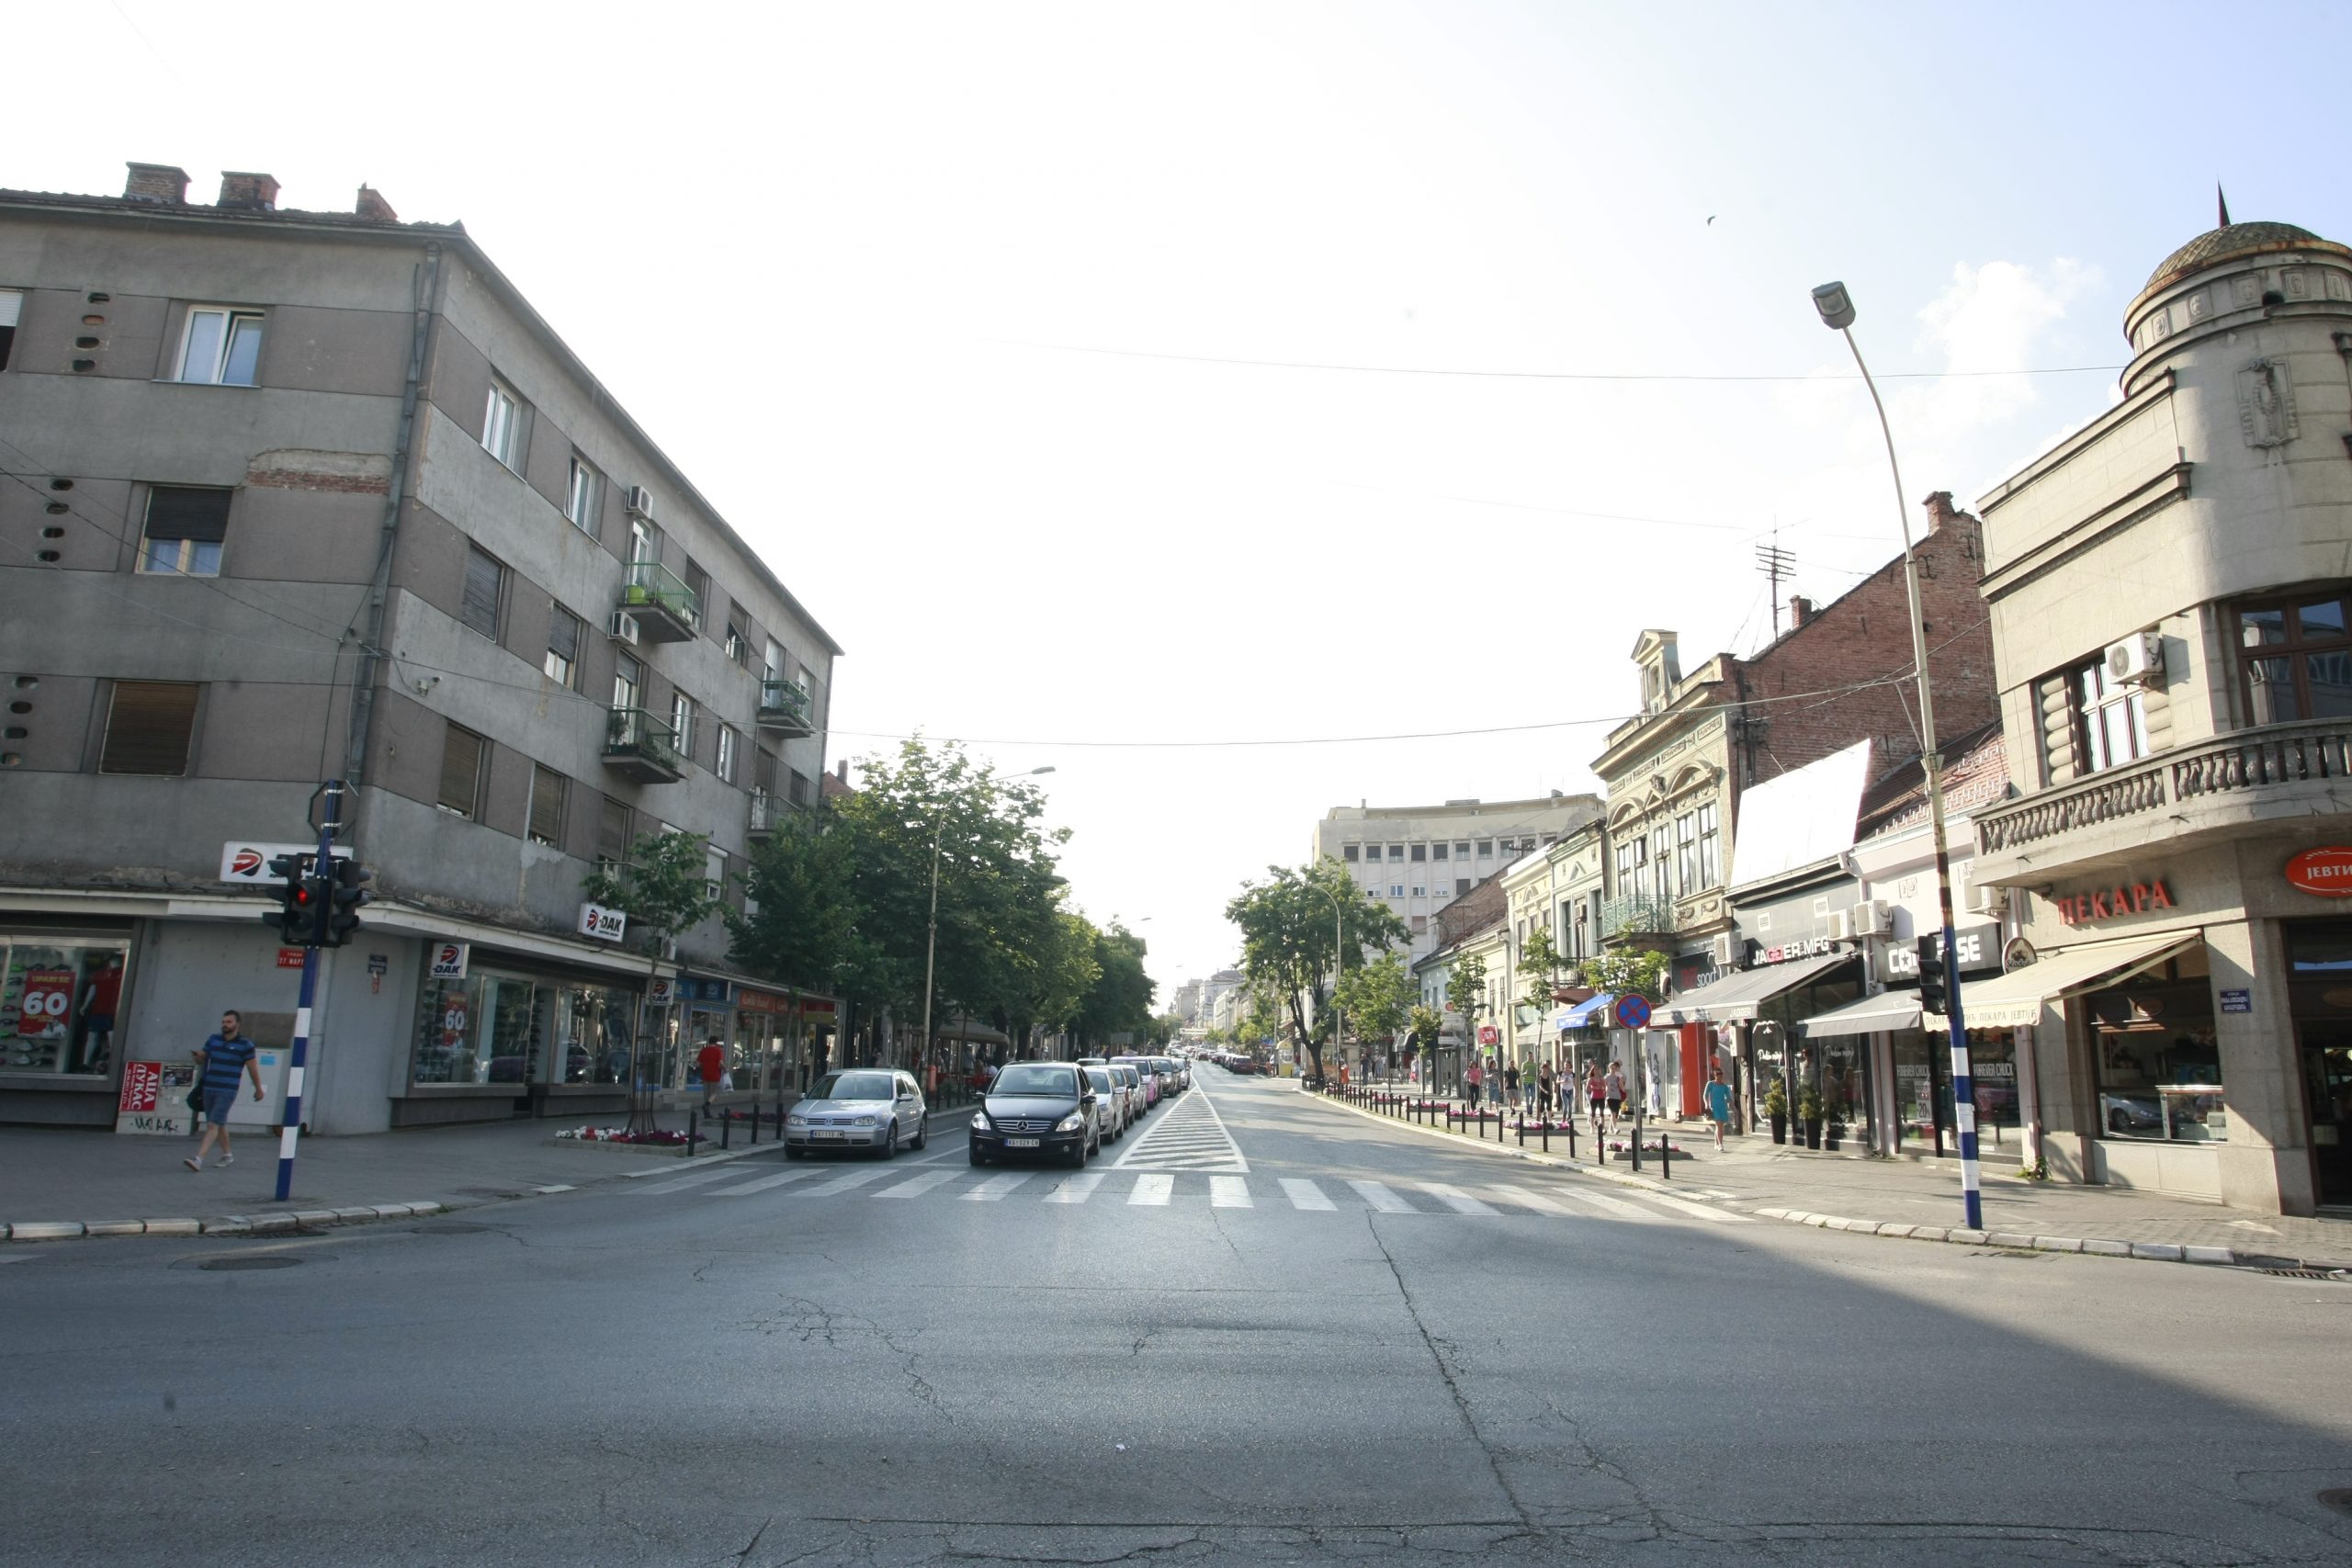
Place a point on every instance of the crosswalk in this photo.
(1187, 1135)
(1151, 1189)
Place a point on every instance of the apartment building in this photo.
(1419, 859)
(2172, 620)
(295, 494)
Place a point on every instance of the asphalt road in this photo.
(1277, 1332)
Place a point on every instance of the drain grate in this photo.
(235, 1265)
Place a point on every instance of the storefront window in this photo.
(449, 1026)
(592, 1025)
(58, 1002)
(2159, 1063)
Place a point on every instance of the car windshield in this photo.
(1031, 1078)
(854, 1086)
(1098, 1077)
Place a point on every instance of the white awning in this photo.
(2016, 998)
(1735, 997)
(1887, 1010)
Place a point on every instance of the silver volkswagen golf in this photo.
(860, 1108)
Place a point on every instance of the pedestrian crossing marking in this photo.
(1305, 1194)
(1189, 1135)
(1381, 1198)
(1458, 1201)
(1721, 1216)
(1153, 1192)
(761, 1185)
(916, 1186)
(1526, 1199)
(994, 1189)
(697, 1180)
(842, 1183)
(1615, 1208)
(1077, 1190)
(1229, 1192)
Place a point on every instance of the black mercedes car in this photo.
(1038, 1107)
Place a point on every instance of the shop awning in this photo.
(1889, 1009)
(1734, 998)
(1590, 1013)
(2006, 1001)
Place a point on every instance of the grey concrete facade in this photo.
(103, 405)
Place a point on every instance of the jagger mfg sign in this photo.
(2107, 903)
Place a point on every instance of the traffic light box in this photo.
(1933, 994)
(299, 899)
(346, 893)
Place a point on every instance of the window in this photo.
(628, 679)
(2110, 720)
(1461, 885)
(1461, 849)
(1419, 924)
(763, 765)
(1396, 890)
(545, 825)
(1397, 852)
(462, 753)
(682, 720)
(803, 791)
(580, 496)
(714, 872)
(1686, 851)
(697, 583)
(149, 726)
(184, 528)
(1438, 849)
(772, 662)
(220, 346)
(1371, 853)
(1420, 852)
(11, 302)
(1347, 852)
(1711, 848)
(612, 832)
(1486, 848)
(502, 425)
(2297, 660)
(1661, 861)
(477, 600)
(739, 642)
(1421, 891)
(644, 541)
(562, 664)
(728, 742)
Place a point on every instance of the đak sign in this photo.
(2326, 872)
(448, 962)
(245, 862)
(604, 925)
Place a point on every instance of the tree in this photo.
(1119, 1002)
(1163, 1030)
(663, 889)
(800, 922)
(1623, 972)
(1465, 992)
(1539, 962)
(1425, 1024)
(1378, 997)
(1289, 943)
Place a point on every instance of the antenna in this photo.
(1775, 563)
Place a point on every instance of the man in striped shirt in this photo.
(225, 1058)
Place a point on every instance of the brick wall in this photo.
(1865, 637)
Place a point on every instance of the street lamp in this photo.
(931, 935)
(1837, 308)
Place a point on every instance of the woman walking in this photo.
(1595, 1092)
(1471, 1080)
(1544, 1091)
(1614, 1086)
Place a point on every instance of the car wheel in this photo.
(890, 1142)
(922, 1131)
(977, 1157)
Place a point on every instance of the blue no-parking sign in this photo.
(1632, 1012)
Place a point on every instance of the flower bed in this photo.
(653, 1140)
(1656, 1146)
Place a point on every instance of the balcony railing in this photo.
(1636, 912)
(664, 608)
(784, 709)
(641, 747)
(2274, 756)
(766, 812)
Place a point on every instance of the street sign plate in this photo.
(1632, 1012)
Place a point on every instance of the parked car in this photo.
(1130, 1099)
(1038, 1107)
(1150, 1079)
(1110, 1108)
(1171, 1079)
(858, 1108)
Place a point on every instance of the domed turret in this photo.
(2228, 278)
(2227, 243)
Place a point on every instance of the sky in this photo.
(1175, 395)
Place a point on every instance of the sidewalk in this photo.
(57, 1183)
(1919, 1199)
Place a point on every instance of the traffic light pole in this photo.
(290, 1131)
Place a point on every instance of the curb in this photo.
(2142, 1251)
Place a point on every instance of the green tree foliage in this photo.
(1466, 989)
(1424, 1024)
(1378, 997)
(1119, 1002)
(662, 888)
(1288, 938)
(1163, 1030)
(1538, 966)
(1623, 972)
(800, 921)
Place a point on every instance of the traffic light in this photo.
(346, 892)
(1933, 995)
(298, 898)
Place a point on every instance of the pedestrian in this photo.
(1510, 1089)
(1614, 1087)
(1594, 1091)
(1718, 1104)
(710, 1066)
(1471, 1082)
(225, 1057)
(1543, 1090)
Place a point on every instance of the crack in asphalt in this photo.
(812, 1322)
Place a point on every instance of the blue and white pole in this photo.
(1837, 308)
(290, 1133)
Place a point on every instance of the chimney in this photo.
(1799, 611)
(373, 206)
(841, 769)
(1940, 510)
(155, 182)
(257, 193)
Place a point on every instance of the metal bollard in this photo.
(690, 1133)
(1522, 1130)
(1545, 1127)
(755, 1124)
(1666, 1157)
(1637, 1144)
(1572, 1137)
(726, 1126)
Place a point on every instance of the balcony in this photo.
(664, 609)
(767, 811)
(641, 748)
(784, 710)
(1636, 915)
(2231, 786)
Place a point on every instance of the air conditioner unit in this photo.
(622, 627)
(1994, 901)
(1872, 919)
(2137, 661)
(1841, 925)
(641, 502)
(1723, 951)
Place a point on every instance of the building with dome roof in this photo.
(2171, 599)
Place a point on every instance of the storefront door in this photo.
(2327, 1085)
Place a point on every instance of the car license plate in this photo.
(834, 1137)
(1021, 1143)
